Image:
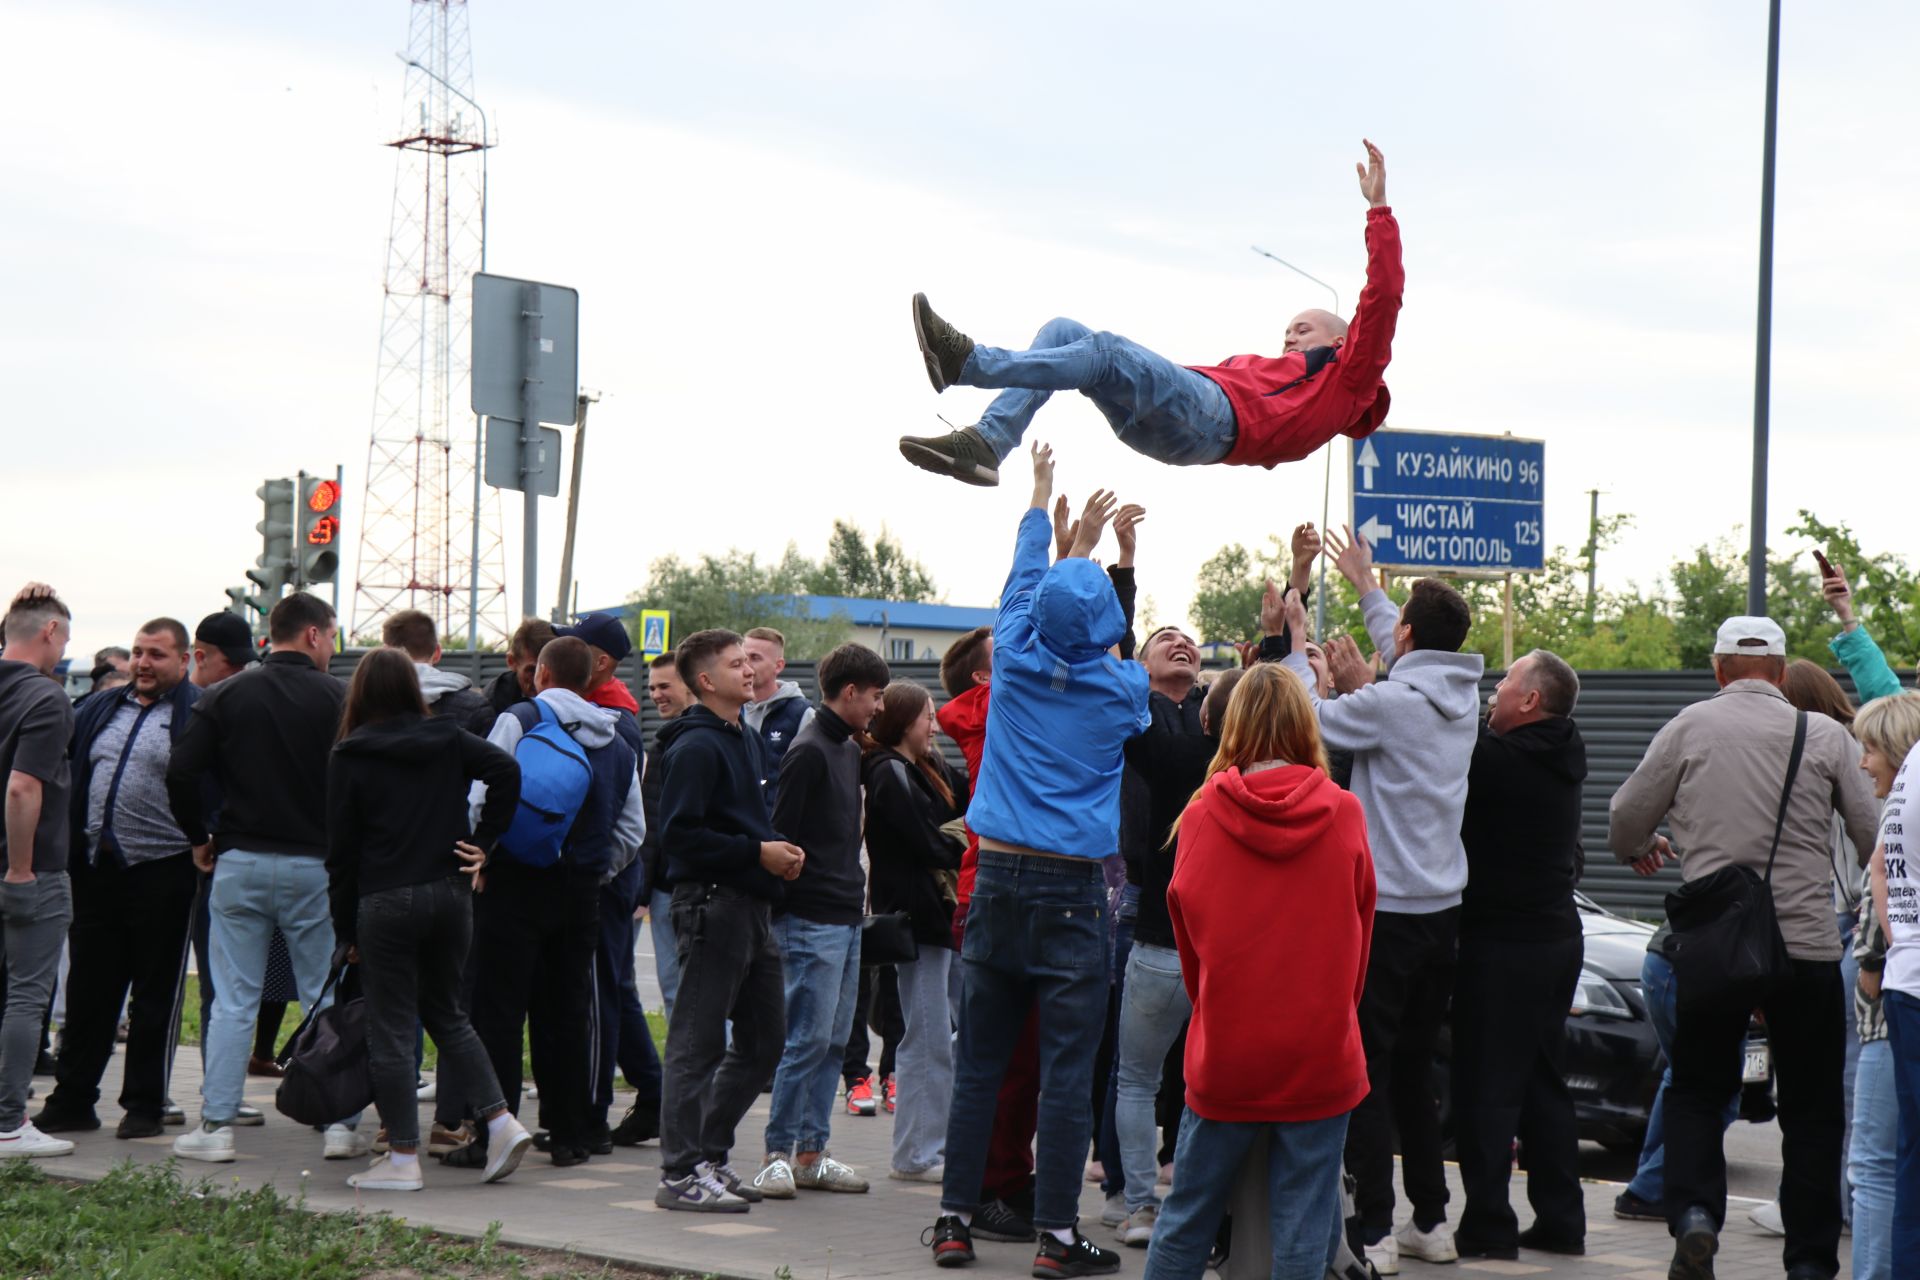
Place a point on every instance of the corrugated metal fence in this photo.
(1619, 713)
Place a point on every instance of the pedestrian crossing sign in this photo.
(655, 629)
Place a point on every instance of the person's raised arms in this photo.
(1126, 524)
(1373, 176)
(1042, 475)
(1092, 523)
(1353, 557)
(1306, 549)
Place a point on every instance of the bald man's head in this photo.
(1315, 328)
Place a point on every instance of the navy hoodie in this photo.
(713, 808)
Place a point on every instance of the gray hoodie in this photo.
(1412, 736)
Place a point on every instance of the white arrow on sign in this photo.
(1367, 461)
(1373, 531)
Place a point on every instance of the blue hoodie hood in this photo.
(1062, 708)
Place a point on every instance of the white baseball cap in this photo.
(1759, 637)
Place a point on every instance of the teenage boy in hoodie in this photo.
(1047, 815)
(535, 927)
(1412, 736)
(447, 693)
(779, 710)
(1520, 950)
(1249, 410)
(728, 869)
(817, 925)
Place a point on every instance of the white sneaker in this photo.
(1114, 1212)
(504, 1150)
(205, 1142)
(827, 1174)
(28, 1143)
(251, 1117)
(1385, 1256)
(381, 1175)
(343, 1143)
(935, 1173)
(427, 1090)
(1137, 1230)
(775, 1179)
(1767, 1218)
(1428, 1246)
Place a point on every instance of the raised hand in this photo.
(1839, 594)
(1350, 671)
(1353, 557)
(1042, 455)
(1064, 527)
(1125, 525)
(1093, 521)
(1373, 176)
(1296, 612)
(1306, 549)
(1273, 610)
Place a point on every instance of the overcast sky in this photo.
(194, 217)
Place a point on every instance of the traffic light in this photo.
(275, 563)
(239, 604)
(316, 550)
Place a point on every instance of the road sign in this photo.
(502, 351)
(656, 628)
(504, 459)
(1433, 501)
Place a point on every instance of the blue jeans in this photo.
(252, 894)
(1156, 407)
(666, 951)
(1656, 983)
(34, 919)
(1152, 1011)
(822, 966)
(1303, 1195)
(1903, 1033)
(1870, 1161)
(924, 1061)
(1036, 937)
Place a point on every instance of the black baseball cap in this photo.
(602, 631)
(230, 635)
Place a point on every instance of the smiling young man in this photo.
(1248, 410)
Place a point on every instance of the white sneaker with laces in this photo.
(1428, 1246)
(206, 1142)
(1385, 1256)
(504, 1150)
(1114, 1212)
(827, 1174)
(381, 1175)
(775, 1179)
(28, 1143)
(343, 1143)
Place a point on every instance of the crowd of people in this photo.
(1068, 948)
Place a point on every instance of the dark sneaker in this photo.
(1081, 1258)
(471, 1156)
(61, 1120)
(964, 454)
(951, 1242)
(600, 1141)
(943, 347)
(1694, 1245)
(698, 1192)
(565, 1155)
(543, 1140)
(1632, 1208)
(1543, 1240)
(723, 1174)
(636, 1127)
(997, 1220)
(1473, 1247)
(139, 1126)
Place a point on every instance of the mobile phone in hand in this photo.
(1826, 566)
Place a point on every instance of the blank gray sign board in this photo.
(503, 458)
(500, 348)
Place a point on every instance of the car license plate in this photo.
(1754, 1070)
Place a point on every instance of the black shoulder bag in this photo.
(325, 1060)
(1725, 947)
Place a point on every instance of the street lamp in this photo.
(1763, 325)
(1326, 480)
(479, 443)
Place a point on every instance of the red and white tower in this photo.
(430, 535)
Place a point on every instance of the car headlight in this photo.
(1595, 997)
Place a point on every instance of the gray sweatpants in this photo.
(34, 918)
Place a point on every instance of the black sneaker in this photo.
(1633, 1209)
(1468, 1246)
(133, 1125)
(951, 1242)
(636, 1127)
(943, 347)
(1543, 1240)
(723, 1174)
(964, 454)
(471, 1156)
(565, 1155)
(1081, 1258)
(997, 1220)
(600, 1141)
(54, 1119)
(543, 1140)
(1694, 1245)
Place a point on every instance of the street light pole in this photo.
(1763, 341)
(479, 442)
(1326, 479)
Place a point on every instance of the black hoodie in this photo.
(397, 801)
(1522, 833)
(818, 808)
(905, 843)
(713, 810)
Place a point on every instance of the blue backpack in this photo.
(554, 779)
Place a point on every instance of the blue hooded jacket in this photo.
(1062, 707)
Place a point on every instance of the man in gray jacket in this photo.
(1714, 774)
(1412, 736)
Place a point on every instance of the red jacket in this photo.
(964, 719)
(613, 692)
(1280, 422)
(1272, 908)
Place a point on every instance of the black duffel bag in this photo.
(327, 1077)
(888, 939)
(1725, 947)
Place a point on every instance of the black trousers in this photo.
(535, 930)
(1409, 980)
(1806, 1029)
(1510, 1002)
(130, 931)
(877, 1008)
(625, 1039)
(730, 969)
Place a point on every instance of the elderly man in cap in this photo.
(1716, 775)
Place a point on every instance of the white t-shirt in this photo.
(1903, 877)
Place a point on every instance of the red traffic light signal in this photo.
(324, 496)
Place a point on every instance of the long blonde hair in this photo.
(1269, 717)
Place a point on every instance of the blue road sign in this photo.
(1433, 501)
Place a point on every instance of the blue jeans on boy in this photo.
(1152, 1012)
(1156, 407)
(1657, 985)
(1036, 937)
(1870, 1161)
(1303, 1172)
(1903, 1033)
(252, 893)
(822, 966)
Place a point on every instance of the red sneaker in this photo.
(860, 1097)
(886, 1094)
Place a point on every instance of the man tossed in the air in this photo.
(1246, 411)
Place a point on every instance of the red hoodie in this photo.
(1272, 907)
(613, 692)
(1282, 418)
(964, 719)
